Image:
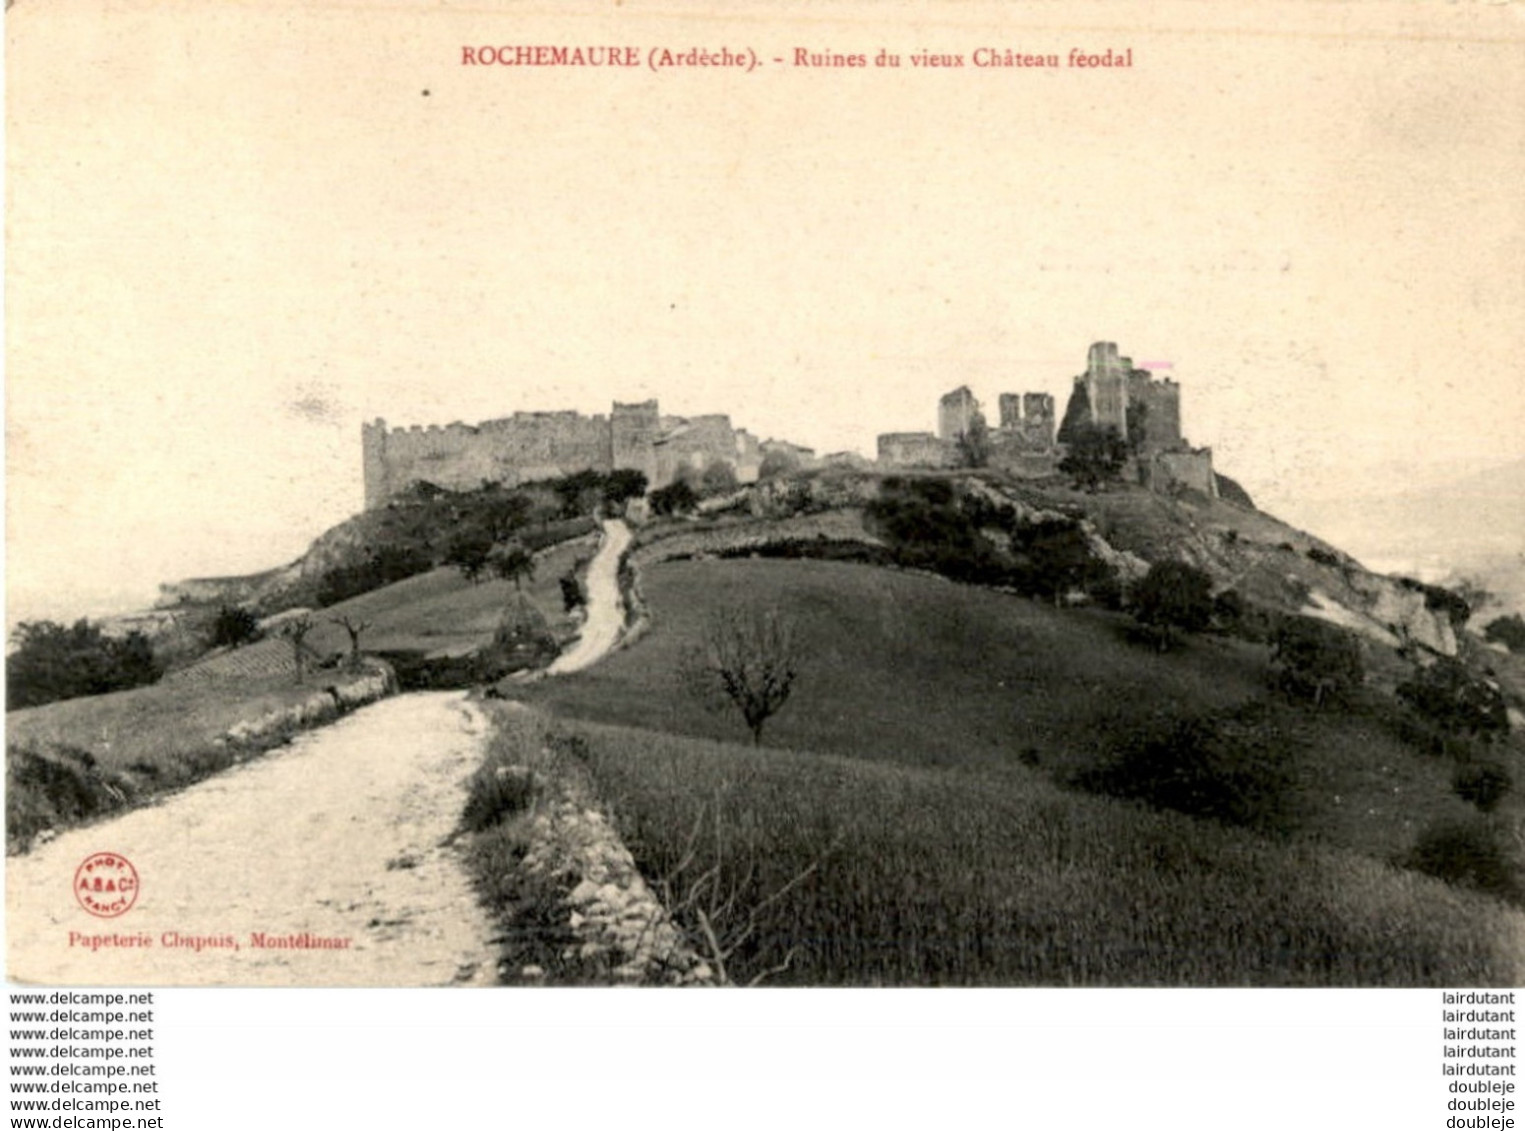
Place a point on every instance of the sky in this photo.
(236, 231)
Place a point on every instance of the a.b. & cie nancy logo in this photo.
(106, 884)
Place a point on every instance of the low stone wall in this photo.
(331, 701)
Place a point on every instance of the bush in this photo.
(1508, 631)
(1096, 456)
(382, 567)
(52, 662)
(62, 786)
(1173, 595)
(1484, 784)
(1316, 660)
(1232, 769)
(676, 498)
(1454, 699)
(1469, 852)
(234, 626)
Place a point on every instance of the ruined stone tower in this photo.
(955, 413)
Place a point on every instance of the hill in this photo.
(938, 766)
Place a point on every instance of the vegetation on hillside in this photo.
(51, 662)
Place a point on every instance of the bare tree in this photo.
(296, 631)
(747, 659)
(354, 628)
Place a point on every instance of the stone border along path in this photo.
(345, 834)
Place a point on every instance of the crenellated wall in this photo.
(544, 445)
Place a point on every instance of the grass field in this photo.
(913, 670)
(924, 877)
(77, 759)
(435, 613)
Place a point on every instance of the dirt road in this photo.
(320, 864)
(606, 611)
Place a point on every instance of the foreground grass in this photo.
(71, 761)
(923, 877)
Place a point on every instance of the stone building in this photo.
(956, 413)
(1112, 392)
(543, 445)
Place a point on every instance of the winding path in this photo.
(606, 610)
(343, 835)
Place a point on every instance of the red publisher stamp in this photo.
(106, 884)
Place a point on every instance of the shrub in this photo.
(676, 498)
(1316, 660)
(1322, 556)
(1468, 852)
(52, 662)
(1229, 609)
(1508, 631)
(62, 786)
(1459, 702)
(234, 626)
(1173, 595)
(382, 567)
(1096, 456)
(1484, 784)
(1232, 769)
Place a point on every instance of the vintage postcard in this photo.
(687, 495)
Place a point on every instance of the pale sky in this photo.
(235, 231)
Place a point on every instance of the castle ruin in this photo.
(1112, 393)
(544, 445)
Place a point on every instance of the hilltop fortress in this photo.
(1144, 411)
(543, 445)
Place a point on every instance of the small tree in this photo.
(296, 631)
(234, 626)
(747, 659)
(354, 628)
(1096, 457)
(676, 498)
(1317, 661)
(1173, 595)
(513, 563)
(468, 552)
